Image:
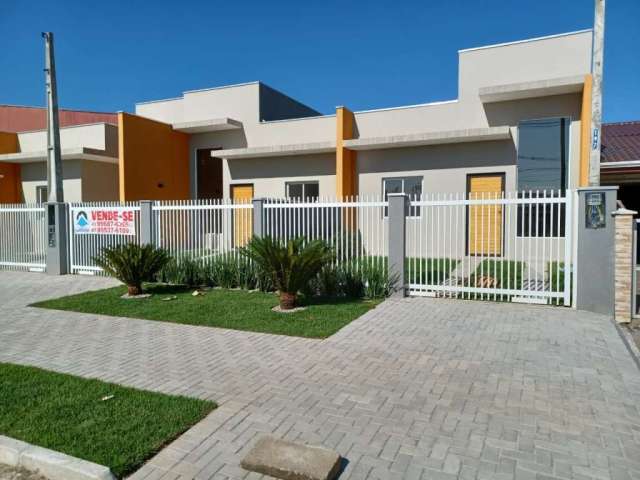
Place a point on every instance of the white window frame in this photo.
(403, 178)
(303, 183)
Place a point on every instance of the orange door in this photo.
(485, 220)
(243, 218)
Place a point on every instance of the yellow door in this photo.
(485, 220)
(243, 218)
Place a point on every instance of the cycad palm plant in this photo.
(132, 264)
(291, 264)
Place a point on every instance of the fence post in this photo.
(595, 244)
(146, 222)
(258, 217)
(58, 231)
(624, 265)
(398, 205)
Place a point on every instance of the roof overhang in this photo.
(537, 88)
(430, 138)
(81, 153)
(210, 125)
(277, 150)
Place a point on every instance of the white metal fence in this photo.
(513, 247)
(23, 237)
(201, 229)
(85, 246)
(355, 228)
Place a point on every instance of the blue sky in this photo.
(363, 55)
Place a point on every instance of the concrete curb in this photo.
(51, 464)
(629, 342)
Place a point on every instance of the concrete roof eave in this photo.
(533, 89)
(81, 153)
(430, 138)
(276, 150)
(210, 125)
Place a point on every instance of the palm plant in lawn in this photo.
(132, 264)
(291, 264)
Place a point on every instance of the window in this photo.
(543, 153)
(41, 194)
(412, 186)
(303, 190)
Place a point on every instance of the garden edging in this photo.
(51, 464)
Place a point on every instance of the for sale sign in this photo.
(104, 221)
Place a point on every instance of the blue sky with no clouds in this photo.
(363, 55)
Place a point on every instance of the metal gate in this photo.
(84, 246)
(23, 237)
(514, 246)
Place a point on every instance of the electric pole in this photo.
(596, 95)
(54, 157)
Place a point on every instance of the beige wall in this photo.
(83, 180)
(444, 168)
(269, 175)
(101, 136)
(35, 174)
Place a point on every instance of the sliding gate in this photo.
(514, 246)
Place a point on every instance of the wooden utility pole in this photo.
(596, 96)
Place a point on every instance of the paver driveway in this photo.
(417, 388)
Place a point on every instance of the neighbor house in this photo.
(620, 161)
(89, 144)
(520, 122)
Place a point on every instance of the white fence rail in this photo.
(202, 229)
(85, 246)
(355, 228)
(513, 247)
(23, 237)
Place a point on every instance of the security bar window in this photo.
(307, 191)
(412, 186)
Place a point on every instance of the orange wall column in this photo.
(10, 184)
(346, 175)
(585, 131)
(153, 161)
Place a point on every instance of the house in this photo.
(520, 122)
(89, 143)
(620, 161)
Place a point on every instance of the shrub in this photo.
(132, 264)
(291, 264)
(378, 283)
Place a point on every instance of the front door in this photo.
(209, 174)
(484, 233)
(243, 217)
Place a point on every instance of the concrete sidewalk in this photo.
(417, 388)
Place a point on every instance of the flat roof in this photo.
(527, 40)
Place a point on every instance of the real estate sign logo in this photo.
(105, 221)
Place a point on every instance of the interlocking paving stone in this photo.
(417, 388)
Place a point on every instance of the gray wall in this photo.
(275, 105)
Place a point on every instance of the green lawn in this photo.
(68, 414)
(235, 309)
